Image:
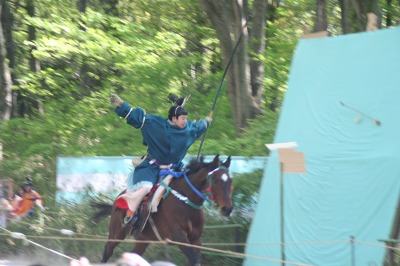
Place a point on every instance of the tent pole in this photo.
(283, 256)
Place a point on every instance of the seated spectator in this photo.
(5, 208)
(17, 199)
(30, 198)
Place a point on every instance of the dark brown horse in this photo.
(179, 216)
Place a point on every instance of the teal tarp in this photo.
(352, 183)
(107, 174)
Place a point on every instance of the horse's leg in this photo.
(116, 231)
(140, 248)
(196, 242)
(172, 224)
(193, 254)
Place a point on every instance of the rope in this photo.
(203, 244)
(22, 236)
(203, 247)
(235, 253)
(278, 243)
(50, 228)
(94, 239)
(376, 245)
(104, 238)
(167, 241)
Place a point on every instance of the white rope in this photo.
(19, 235)
(237, 254)
(51, 250)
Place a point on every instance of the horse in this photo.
(180, 216)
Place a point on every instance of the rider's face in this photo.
(180, 121)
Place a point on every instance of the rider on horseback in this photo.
(167, 141)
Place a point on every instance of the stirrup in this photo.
(127, 219)
(131, 220)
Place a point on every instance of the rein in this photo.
(179, 195)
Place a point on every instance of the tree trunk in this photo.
(257, 45)
(28, 104)
(110, 7)
(274, 101)
(229, 21)
(345, 15)
(321, 23)
(389, 13)
(81, 4)
(361, 8)
(6, 62)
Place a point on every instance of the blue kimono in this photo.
(166, 143)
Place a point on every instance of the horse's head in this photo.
(220, 185)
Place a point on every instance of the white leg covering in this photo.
(133, 198)
(159, 193)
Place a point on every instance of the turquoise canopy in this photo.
(342, 107)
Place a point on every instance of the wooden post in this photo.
(290, 161)
(282, 197)
(372, 22)
(353, 257)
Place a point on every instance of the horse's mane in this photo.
(195, 165)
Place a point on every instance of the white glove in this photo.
(115, 100)
(209, 120)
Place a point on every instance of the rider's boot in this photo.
(131, 200)
(131, 217)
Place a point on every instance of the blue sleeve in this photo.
(201, 126)
(134, 116)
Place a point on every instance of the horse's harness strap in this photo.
(168, 189)
(185, 199)
(191, 204)
(154, 227)
(208, 190)
(179, 196)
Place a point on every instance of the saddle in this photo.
(146, 207)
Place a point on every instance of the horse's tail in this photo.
(102, 210)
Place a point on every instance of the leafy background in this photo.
(143, 53)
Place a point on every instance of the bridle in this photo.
(209, 179)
